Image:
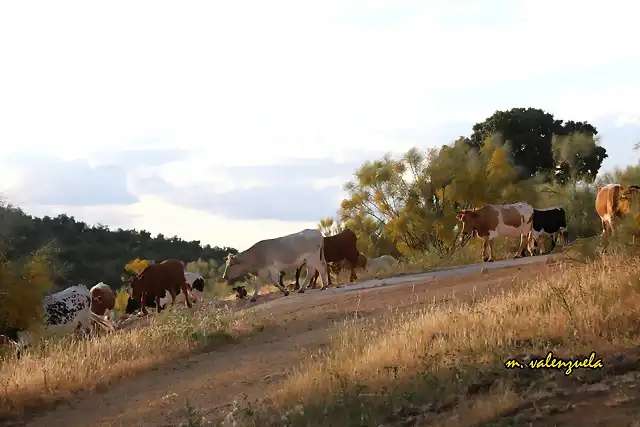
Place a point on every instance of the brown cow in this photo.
(491, 221)
(337, 248)
(156, 280)
(103, 300)
(613, 201)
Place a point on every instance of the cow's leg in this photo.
(158, 306)
(298, 271)
(275, 278)
(256, 288)
(172, 292)
(143, 297)
(314, 279)
(185, 291)
(487, 253)
(485, 247)
(523, 241)
(554, 239)
(353, 277)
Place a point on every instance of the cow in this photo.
(373, 265)
(491, 221)
(613, 201)
(66, 311)
(337, 248)
(103, 301)
(548, 222)
(267, 258)
(196, 282)
(155, 280)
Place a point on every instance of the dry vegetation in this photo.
(60, 367)
(450, 357)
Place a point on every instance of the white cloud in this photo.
(257, 83)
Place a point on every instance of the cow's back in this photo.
(286, 250)
(155, 279)
(341, 246)
(62, 308)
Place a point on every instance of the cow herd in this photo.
(76, 308)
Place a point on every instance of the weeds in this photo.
(450, 356)
(58, 367)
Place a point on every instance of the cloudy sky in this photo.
(234, 121)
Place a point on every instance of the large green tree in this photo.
(530, 132)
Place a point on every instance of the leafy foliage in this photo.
(531, 132)
(90, 254)
(407, 206)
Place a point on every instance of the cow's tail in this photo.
(322, 252)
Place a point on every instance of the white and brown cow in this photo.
(65, 312)
(491, 221)
(613, 201)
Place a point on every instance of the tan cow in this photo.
(613, 201)
(103, 301)
(267, 258)
(491, 221)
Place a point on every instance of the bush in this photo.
(23, 284)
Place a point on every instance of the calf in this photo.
(548, 222)
(155, 280)
(267, 258)
(196, 282)
(613, 201)
(491, 221)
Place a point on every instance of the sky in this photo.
(231, 122)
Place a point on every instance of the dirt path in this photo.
(211, 381)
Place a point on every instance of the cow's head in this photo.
(469, 220)
(233, 268)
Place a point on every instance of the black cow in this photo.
(548, 222)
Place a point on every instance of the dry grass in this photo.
(60, 367)
(375, 368)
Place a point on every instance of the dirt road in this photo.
(211, 381)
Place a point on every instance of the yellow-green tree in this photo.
(23, 285)
(411, 203)
(136, 266)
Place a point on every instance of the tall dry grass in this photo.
(428, 358)
(58, 367)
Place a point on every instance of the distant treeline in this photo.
(90, 254)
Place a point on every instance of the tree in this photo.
(577, 156)
(86, 254)
(530, 132)
(136, 266)
(330, 226)
(410, 204)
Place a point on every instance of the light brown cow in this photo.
(103, 300)
(613, 201)
(491, 221)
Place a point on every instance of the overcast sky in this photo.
(235, 121)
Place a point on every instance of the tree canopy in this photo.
(409, 204)
(531, 132)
